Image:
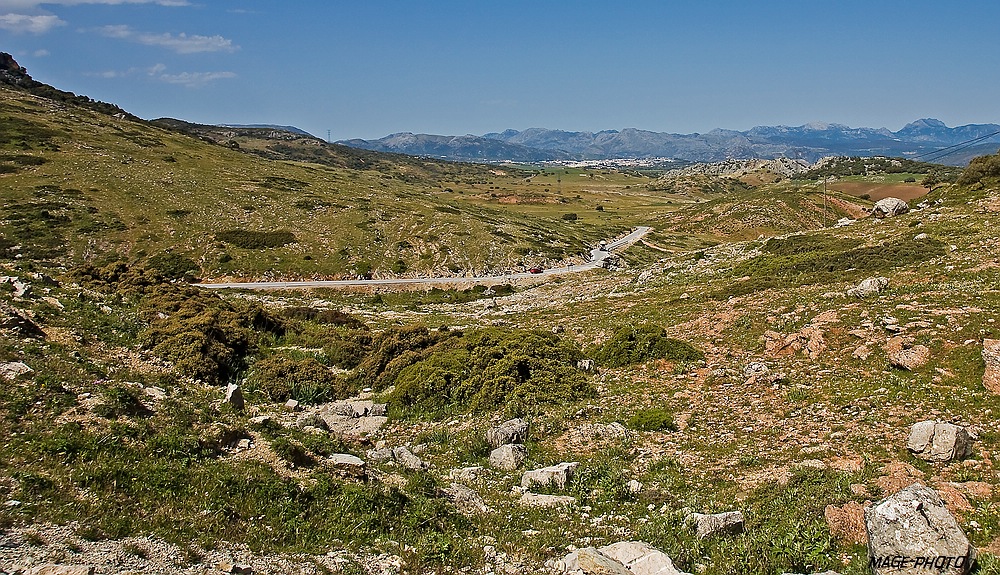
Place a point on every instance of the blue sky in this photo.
(367, 68)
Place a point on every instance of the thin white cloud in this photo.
(38, 24)
(32, 4)
(40, 53)
(180, 43)
(195, 79)
(158, 73)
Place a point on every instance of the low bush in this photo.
(515, 371)
(281, 378)
(653, 419)
(173, 266)
(637, 344)
(981, 170)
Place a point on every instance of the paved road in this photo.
(597, 258)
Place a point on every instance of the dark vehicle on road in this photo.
(535, 271)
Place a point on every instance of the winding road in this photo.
(597, 258)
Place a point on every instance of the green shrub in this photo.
(637, 344)
(120, 400)
(173, 266)
(517, 371)
(653, 419)
(981, 170)
(253, 240)
(281, 378)
(204, 336)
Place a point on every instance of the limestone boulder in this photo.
(511, 431)
(554, 476)
(890, 208)
(869, 287)
(912, 532)
(939, 442)
(905, 354)
(508, 457)
(707, 526)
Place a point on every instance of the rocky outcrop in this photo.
(912, 532)
(346, 464)
(939, 442)
(991, 355)
(529, 499)
(906, 354)
(234, 397)
(869, 287)
(624, 557)
(511, 431)
(552, 476)
(890, 207)
(508, 457)
(464, 499)
(14, 369)
(711, 525)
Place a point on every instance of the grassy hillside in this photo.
(118, 449)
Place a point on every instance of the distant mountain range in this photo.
(917, 140)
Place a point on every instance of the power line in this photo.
(947, 151)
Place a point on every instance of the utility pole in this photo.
(328, 136)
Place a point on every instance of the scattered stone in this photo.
(939, 442)
(844, 222)
(530, 499)
(711, 525)
(808, 340)
(555, 475)
(292, 405)
(585, 365)
(260, 420)
(915, 526)
(903, 353)
(467, 474)
(511, 431)
(13, 370)
(508, 457)
(869, 287)
(465, 499)
(358, 408)
(847, 522)
(590, 561)
(311, 420)
(863, 352)
(244, 444)
(991, 355)
(381, 455)
(234, 397)
(408, 460)
(634, 487)
(897, 475)
(633, 557)
(921, 237)
(346, 463)
(61, 570)
(234, 569)
(15, 321)
(18, 287)
(889, 208)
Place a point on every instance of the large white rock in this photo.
(554, 475)
(913, 533)
(890, 207)
(508, 457)
(529, 499)
(937, 441)
(624, 557)
(511, 431)
(869, 287)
